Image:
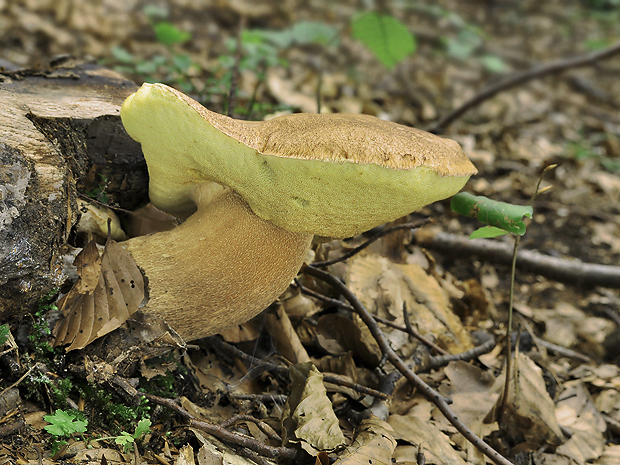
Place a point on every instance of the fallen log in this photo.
(60, 134)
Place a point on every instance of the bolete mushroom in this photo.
(255, 193)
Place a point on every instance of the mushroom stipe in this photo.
(256, 193)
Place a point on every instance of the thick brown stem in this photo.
(221, 267)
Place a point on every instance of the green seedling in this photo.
(4, 334)
(500, 217)
(127, 440)
(64, 425)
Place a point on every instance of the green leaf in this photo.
(4, 334)
(122, 55)
(155, 11)
(385, 36)
(502, 215)
(146, 67)
(487, 232)
(464, 45)
(493, 63)
(182, 62)
(313, 32)
(124, 439)
(168, 34)
(64, 423)
(144, 426)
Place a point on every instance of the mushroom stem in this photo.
(221, 267)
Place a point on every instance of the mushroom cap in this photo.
(331, 175)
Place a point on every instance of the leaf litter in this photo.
(514, 134)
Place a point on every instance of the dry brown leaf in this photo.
(109, 289)
(384, 287)
(285, 337)
(416, 432)
(350, 336)
(576, 411)
(470, 391)
(374, 443)
(526, 410)
(308, 418)
(611, 456)
(186, 456)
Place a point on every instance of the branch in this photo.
(376, 237)
(571, 271)
(414, 379)
(513, 80)
(284, 453)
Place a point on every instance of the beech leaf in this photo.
(109, 289)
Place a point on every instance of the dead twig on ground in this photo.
(276, 453)
(337, 303)
(256, 362)
(428, 392)
(379, 235)
(443, 360)
(559, 269)
(520, 78)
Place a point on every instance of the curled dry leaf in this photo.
(384, 287)
(416, 432)
(109, 289)
(525, 410)
(308, 417)
(374, 443)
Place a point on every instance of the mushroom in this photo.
(255, 193)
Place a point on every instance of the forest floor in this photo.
(568, 324)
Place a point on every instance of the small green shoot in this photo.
(127, 440)
(385, 36)
(4, 334)
(501, 217)
(63, 425)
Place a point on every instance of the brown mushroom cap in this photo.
(329, 175)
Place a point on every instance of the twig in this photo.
(284, 370)
(264, 398)
(19, 380)
(264, 427)
(571, 271)
(516, 79)
(337, 303)
(379, 235)
(562, 351)
(284, 453)
(414, 379)
(443, 360)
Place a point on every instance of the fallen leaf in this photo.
(308, 418)
(416, 432)
(525, 410)
(374, 443)
(109, 289)
(385, 287)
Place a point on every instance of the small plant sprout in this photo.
(64, 425)
(127, 440)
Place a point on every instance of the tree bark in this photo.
(60, 134)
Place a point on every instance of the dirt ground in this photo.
(570, 118)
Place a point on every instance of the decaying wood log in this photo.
(60, 133)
